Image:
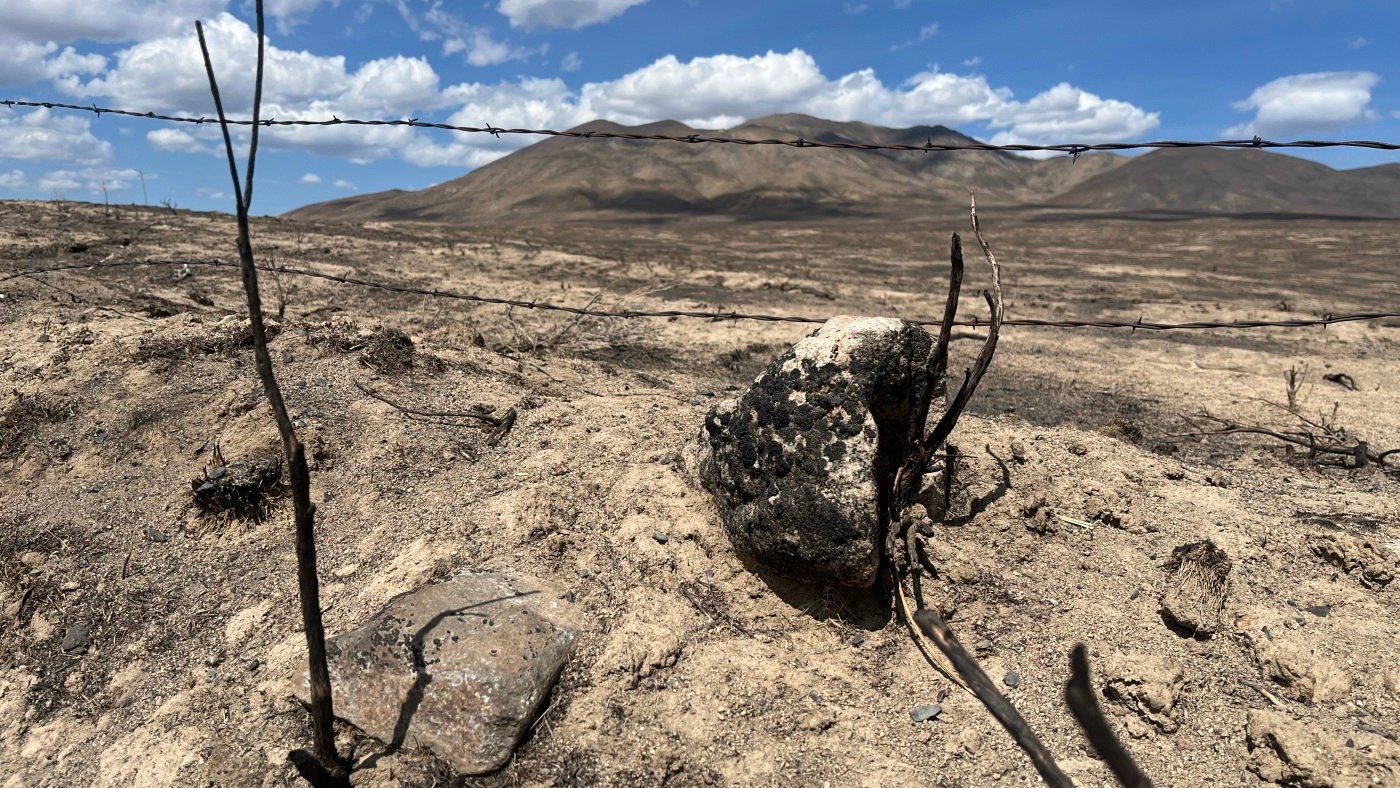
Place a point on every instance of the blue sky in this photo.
(1015, 71)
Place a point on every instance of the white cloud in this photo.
(458, 36)
(571, 62)
(1065, 113)
(287, 15)
(344, 184)
(93, 179)
(715, 91)
(309, 179)
(572, 14)
(483, 50)
(44, 135)
(1358, 42)
(854, 8)
(14, 179)
(178, 141)
(722, 90)
(928, 31)
(902, 5)
(1319, 102)
(167, 73)
(110, 20)
(25, 62)
(973, 62)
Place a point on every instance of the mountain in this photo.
(1225, 181)
(560, 179)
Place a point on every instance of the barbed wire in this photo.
(1073, 149)
(713, 316)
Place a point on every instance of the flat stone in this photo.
(459, 667)
(796, 461)
(925, 713)
(75, 640)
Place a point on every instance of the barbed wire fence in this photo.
(1071, 149)
(712, 316)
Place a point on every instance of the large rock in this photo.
(795, 464)
(458, 666)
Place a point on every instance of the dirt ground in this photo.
(144, 642)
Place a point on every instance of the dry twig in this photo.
(936, 629)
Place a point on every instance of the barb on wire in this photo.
(712, 316)
(1072, 149)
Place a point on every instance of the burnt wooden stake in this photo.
(326, 769)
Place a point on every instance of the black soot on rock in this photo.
(799, 462)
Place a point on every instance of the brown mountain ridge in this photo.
(562, 179)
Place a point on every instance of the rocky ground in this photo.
(147, 642)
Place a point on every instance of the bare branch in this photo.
(936, 629)
(331, 771)
(1084, 705)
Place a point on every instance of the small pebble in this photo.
(695, 402)
(984, 645)
(926, 712)
(1321, 611)
(660, 536)
(260, 575)
(857, 639)
(584, 573)
(218, 473)
(254, 664)
(1012, 679)
(156, 535)
(75, 641)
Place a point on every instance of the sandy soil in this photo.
(695, 668)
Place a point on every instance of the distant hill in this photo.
(1225, 181)
(560, 179)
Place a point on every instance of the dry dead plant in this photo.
(1320, 441)
(905, 559)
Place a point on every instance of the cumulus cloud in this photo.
(43, 135)
(717, 91)
(25, 62)
(110, 20)
(309, 179)
(178, 141)
(1065, 112)
(721, 91)
(571, 62)
(14, 179)
(572, 14)
(93, 179)
(344, 184)
(167, 73)
(1323, 101)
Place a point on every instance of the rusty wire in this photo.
(713, 316)
(1072, 149)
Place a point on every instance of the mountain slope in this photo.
(560, 179)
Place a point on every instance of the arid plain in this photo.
(694, 666)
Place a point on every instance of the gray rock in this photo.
(459, 667)
(925, 713)
(1012, 679)
(75, 640)
(794, 464)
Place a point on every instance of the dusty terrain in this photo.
(695, 667)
